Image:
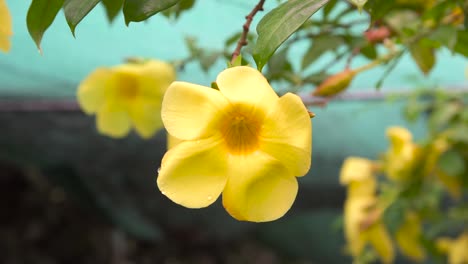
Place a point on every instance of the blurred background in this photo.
(71, 195)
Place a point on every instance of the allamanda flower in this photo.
(126, 95)
(362, 215)
(456, 249)
(5, 27)
(402, 156)
(242, 141)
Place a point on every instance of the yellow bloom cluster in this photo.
(5, 27)
(362, 215)
(241, 140)
(126, 95)
(456, 249)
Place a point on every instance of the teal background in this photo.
(341, 129)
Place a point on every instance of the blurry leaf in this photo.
(403, 20)
(278, 65)
(232, 39)
(445, 35)
(191, 43)
(414, 109)
(459, 133)
(139, 10)
(40, 16)
(280, 23)
(76, 10)
(206, 61)
(451, 163)
(369, 51)
(359, 4)
(113, 8)
(462, 43)
(389, 69)
(329, 7)
(423, 55)
(319, 46)
(379, 8)
(182, 6)
(442, 116)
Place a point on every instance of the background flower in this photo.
(126, 95)
(5, 27)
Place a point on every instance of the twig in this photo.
(243, 40)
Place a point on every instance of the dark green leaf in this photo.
(443, 115)
(40, 16)
(452, 163)
(462, 43)
(113, 8)
(76, 10)
(369, 51)
(278, 65)
(319, 46)
(139, 10)
(379, 8)
(329, 7)
(280, 23)
(423, 55)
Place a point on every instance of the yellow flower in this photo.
(408, 237)
(5, 27)
(362, 223)
(126, 95)
(242, 141)
(457, 249)
(402, 156)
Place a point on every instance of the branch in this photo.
(243, 40)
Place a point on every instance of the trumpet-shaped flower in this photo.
(5, 27)
(242, 141)
(456, 249)
(126, 95)
(408, 237)
(402, 156)
(362, 221)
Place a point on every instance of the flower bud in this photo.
(335, 84)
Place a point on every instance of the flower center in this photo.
(128, 86)
(241, 130)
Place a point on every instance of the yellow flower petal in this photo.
(5, 27)
(363, 188)
(156, 77)
(259, 188)
(458, 253)
(246, 85)
(113, 121)
(355, 211)
(144, 114)
(172, 141)
(91, 91)
(287, 134)
(356, 169)
(192, 111)
(408, 238)
(381, 242)
(194, 173)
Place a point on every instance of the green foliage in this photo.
(113, 8)
(76, 10)
(279, 24)
(40, 16)
(139, 10)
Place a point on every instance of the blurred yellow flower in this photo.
(126, 95)
(402, 155)
(362, 223)
(5, 27)
(456, 249)
(242, 141)
(408, 237)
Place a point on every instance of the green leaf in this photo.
(369, 51)
(179, 8)
(113, 8)
(319, 46)
(462, 43)
(445, 35)
(76, 10)
(423, 55)
(452, 163)
(329, 7)
(280, 23)
(278, 65)
(139, 10)
(40, 16)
